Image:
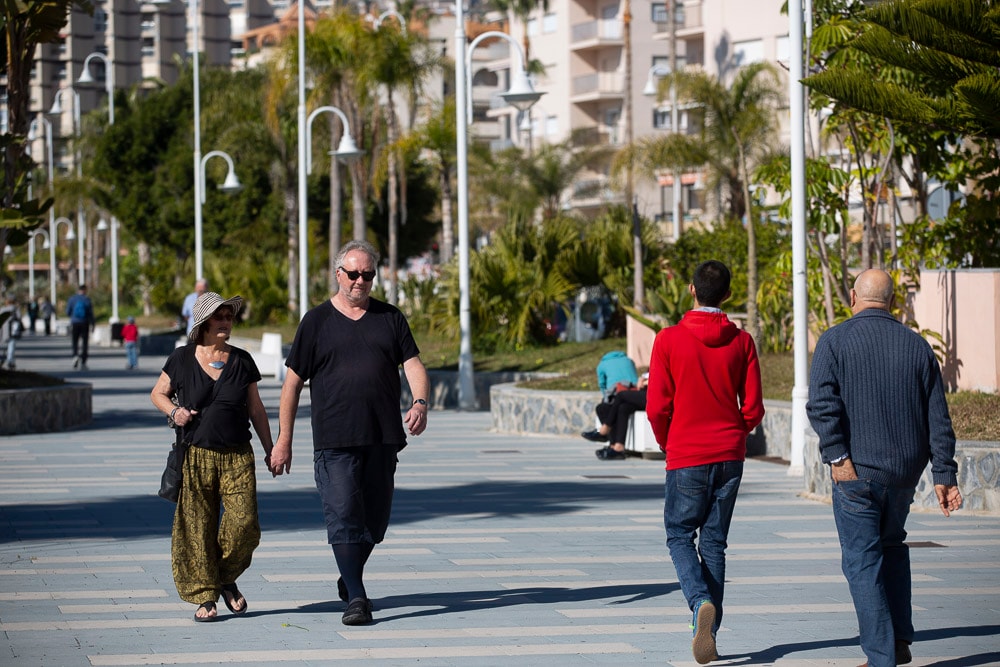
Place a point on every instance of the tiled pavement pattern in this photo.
(503, 550)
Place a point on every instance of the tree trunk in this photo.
(358, 203)
(447, 224)
(291, 215)
(145, 290)
(753, 326)
(393, 197)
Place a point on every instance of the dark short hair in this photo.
(711, 283)
(82, 287)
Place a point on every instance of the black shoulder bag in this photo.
(173, 474)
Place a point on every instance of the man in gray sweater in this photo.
(876, 400)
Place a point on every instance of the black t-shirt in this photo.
(223, 420)
(353, 372)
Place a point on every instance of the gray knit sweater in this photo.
(876, 394)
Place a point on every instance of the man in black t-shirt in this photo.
(350, 349)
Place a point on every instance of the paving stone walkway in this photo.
(503, 550)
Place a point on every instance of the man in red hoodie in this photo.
(704, 398)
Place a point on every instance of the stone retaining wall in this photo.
(45, 409)
(516, 410)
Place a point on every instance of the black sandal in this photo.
(235, 592)
(208, 607)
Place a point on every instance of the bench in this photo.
(640, 440)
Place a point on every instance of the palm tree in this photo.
(737, 125)
(435, 137)
(397, 59)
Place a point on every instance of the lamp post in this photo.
(109, 80)
(650, 89)
(347, 151)
(80, 221)
(70, 236)
(522, 96)
(109, 87)
(232, 183)
(31, 259)
(52, 212)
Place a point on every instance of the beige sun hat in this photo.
(206, 305)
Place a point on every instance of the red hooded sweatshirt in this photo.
(704, 394)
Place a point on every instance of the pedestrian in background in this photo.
(81, 321)
(130, 336)
(46, 311)
(187, 309)
(350, 349)
(703, 400)
(877, 403)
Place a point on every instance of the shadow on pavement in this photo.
(467, 601)
(298, 509)
(770, 655)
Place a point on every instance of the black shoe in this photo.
(594, 436)
(359, 612)
(76, 361)
(609, 454)
(903, 655)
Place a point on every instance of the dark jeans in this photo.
(870, 520)
(81, 336)
(616, 413)
(356, 485)
(700, 501)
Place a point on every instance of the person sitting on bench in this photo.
(614, 415)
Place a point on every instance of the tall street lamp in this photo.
(521, 96)
(231, 183)
(52, 211)
(109, 87)
(70, 236)
(31, 259)
(80, 221)
(347, 151)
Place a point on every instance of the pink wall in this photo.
(964, 307)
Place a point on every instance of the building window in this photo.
(660, 12)
(551, 126)
(661, 119)
(745, 53)
(100, 20)
(532, 27)
(148, 46)
(550, 23)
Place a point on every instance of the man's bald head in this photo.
(872, 289)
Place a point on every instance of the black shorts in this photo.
(356, 485)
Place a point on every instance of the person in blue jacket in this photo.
(613, 368)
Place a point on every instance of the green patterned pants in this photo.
(207, 552)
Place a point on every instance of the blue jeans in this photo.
(870, 520)
(132, 352)
(700, 501)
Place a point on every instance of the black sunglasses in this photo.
(354, 275)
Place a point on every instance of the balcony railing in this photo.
(599, 82)
(610, 29)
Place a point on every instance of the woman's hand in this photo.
(183, 416)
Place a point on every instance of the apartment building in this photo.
(140, 41)
(581, 44)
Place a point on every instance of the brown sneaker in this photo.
(703, 644)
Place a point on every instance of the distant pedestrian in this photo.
(187, 310)
(10, 332)
(81, 321)
(46, 311)
(32, 315)
(703, 400)
(130, 336)
(876, 401)
(350, 348)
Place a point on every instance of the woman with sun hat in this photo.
(208, 388)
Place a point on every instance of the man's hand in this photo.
(416, 419)
(949, 498)
(843, 471)
(281, 457)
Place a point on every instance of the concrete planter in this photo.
(45, 409)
